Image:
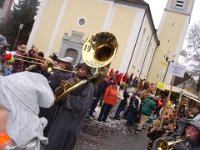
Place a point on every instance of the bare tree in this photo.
(192, 53)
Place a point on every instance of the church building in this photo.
(62, 26)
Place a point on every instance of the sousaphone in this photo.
(100, 49)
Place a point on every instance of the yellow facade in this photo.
(130, 22)
(144, 50)
(169, 37)
(121, 19)
(121, 31)
(47, 24)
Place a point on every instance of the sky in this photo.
(157, 11)
(157, 15)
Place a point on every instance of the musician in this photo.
(59, 75)
(54, 82)
(168, 125)
(38, 68)
(21, 95)
(65, 130)
(189, 131)
(18, 65)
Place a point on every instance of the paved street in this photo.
(112, 135)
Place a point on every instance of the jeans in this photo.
(130, 118)
(119, 110)
(94, 105)
(104, 112)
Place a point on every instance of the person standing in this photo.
(110, 99)
(133, 109)
(65, 130)
(54, 82)
(123, 102)
(149, 105)
(98, 96)
(19, 65)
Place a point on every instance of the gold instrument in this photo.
(167, 145)
(98, 51)
(23, 58)
(68, 87)
(37, 61)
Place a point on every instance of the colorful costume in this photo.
(7, 68)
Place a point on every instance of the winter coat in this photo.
(119, 78)
(110, 96)
(65, 130)
(149, 106)
(101, 88)
(134, 104)
(125, 97)
(57, 77)
(125, 78)
(111, 73)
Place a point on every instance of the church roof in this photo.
(136, 1)
(147, 8)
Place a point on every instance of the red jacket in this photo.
(125, 78)
(111, 73)
(119, 77)
(110, 96)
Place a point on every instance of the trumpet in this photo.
(167, 145)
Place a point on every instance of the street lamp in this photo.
(20, 28)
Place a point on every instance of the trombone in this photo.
(42, 62)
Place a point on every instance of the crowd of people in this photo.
(28, 101)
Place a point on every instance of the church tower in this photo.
(171, 33)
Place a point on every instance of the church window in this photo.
(73, 54)
(81, 21)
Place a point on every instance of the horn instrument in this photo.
(27, 57)
(167, 145)
(98, 51)
(49, 68)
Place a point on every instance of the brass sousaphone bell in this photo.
(98, 51)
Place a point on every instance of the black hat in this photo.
(80, 65)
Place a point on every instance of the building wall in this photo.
(171, 34)
(144, 49)
(122, 19)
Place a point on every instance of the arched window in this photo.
(73, 54)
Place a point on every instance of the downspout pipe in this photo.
(136, 41)
(145, 55)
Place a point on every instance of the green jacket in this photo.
(149, 106)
